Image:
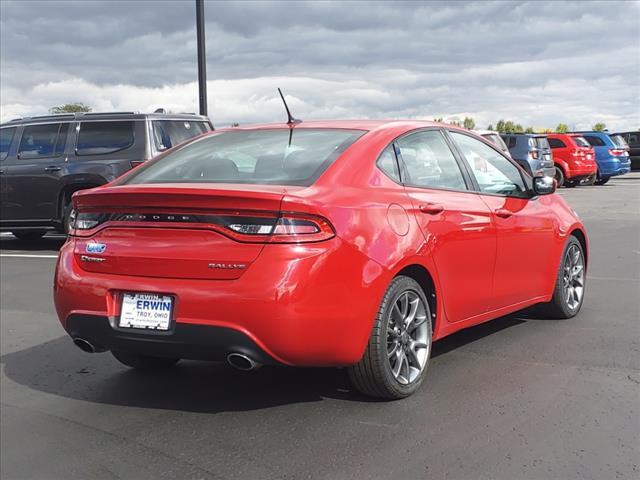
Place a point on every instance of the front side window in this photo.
(619, 141)
(270, 156)
(6, 136)
(169, 133)
(388, 164)
(493, 172)
(594, 141)
(43, 140)
(99, 138)
(429, 162)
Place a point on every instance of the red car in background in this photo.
(574, 159)
(339, 243)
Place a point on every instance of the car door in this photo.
(7, 136)
(525, 229)
(455, 221)
(33, 179)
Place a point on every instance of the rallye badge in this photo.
(96, 247)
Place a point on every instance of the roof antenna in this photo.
(290, 120)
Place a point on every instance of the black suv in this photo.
(633, 140)
(44, 160)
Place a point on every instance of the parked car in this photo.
(339, 243)
(495, 138)
(532, 152)
(633, 141)
(612, 156)
(573, 157)
(45, 160)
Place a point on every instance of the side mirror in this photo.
(544, 185)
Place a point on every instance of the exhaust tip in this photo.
(84, 345)
(242, 362)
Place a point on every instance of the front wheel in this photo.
(143, 362)
(568, 293)
(559, 176)
(396, 358)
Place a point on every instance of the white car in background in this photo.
(494, 137)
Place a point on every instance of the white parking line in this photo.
(25, 255)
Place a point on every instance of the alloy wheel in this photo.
(408, 340)
(573, 277)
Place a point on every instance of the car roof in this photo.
(91, 116)
(367, 125)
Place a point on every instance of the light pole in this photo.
(202, 57)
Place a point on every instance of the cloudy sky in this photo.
(532, 62)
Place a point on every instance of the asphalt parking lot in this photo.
(519, 397)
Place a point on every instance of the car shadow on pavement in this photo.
(57, 367)
(46, 243)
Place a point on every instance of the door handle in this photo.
(52, 168)
(503, 213)
(1, 172)
(431, 208)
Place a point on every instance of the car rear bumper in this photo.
(613, 166)
(310, 305)
(580, 172)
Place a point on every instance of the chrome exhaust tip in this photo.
(84, 345)
(242, 362)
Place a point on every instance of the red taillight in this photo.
(617, 152)
(534, 154)
(248, 227)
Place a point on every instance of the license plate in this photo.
(146, 311)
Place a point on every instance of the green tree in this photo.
(490, 127)
(70, 108)
(562, 128)
(529, 130)
(468, 123)
(599, 127)
(235, 124)
(439, 120)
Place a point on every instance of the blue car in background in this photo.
(612, 154)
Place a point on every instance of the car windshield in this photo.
(581, 142)
(619, 141)
(270, 156)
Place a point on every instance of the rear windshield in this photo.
(169, 133)
(581, 142)
(619, 141)
(539, 142)
(274, 156)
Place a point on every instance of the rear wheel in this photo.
(396, 358)
(568, 293)
(602, 180)
(570, 183)
(29, 235)
(559, 176)
(143, 362)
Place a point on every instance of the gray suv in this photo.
(44, 160)
(532, 152)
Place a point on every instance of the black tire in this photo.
(29, 235)
(372, 375)
(558, 307)
(143, 362)
(559, 176)
(66, 215)
(590, 180)
(602, 180)
(570, 183)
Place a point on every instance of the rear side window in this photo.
(539, 142)
(6, 136)
(270, 156)
(388, 163)
(594, 141)
(99, 138)
(429, 162)
(556, 143)
(169, 133)
(43, 140)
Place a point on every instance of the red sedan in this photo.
(342, 243)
